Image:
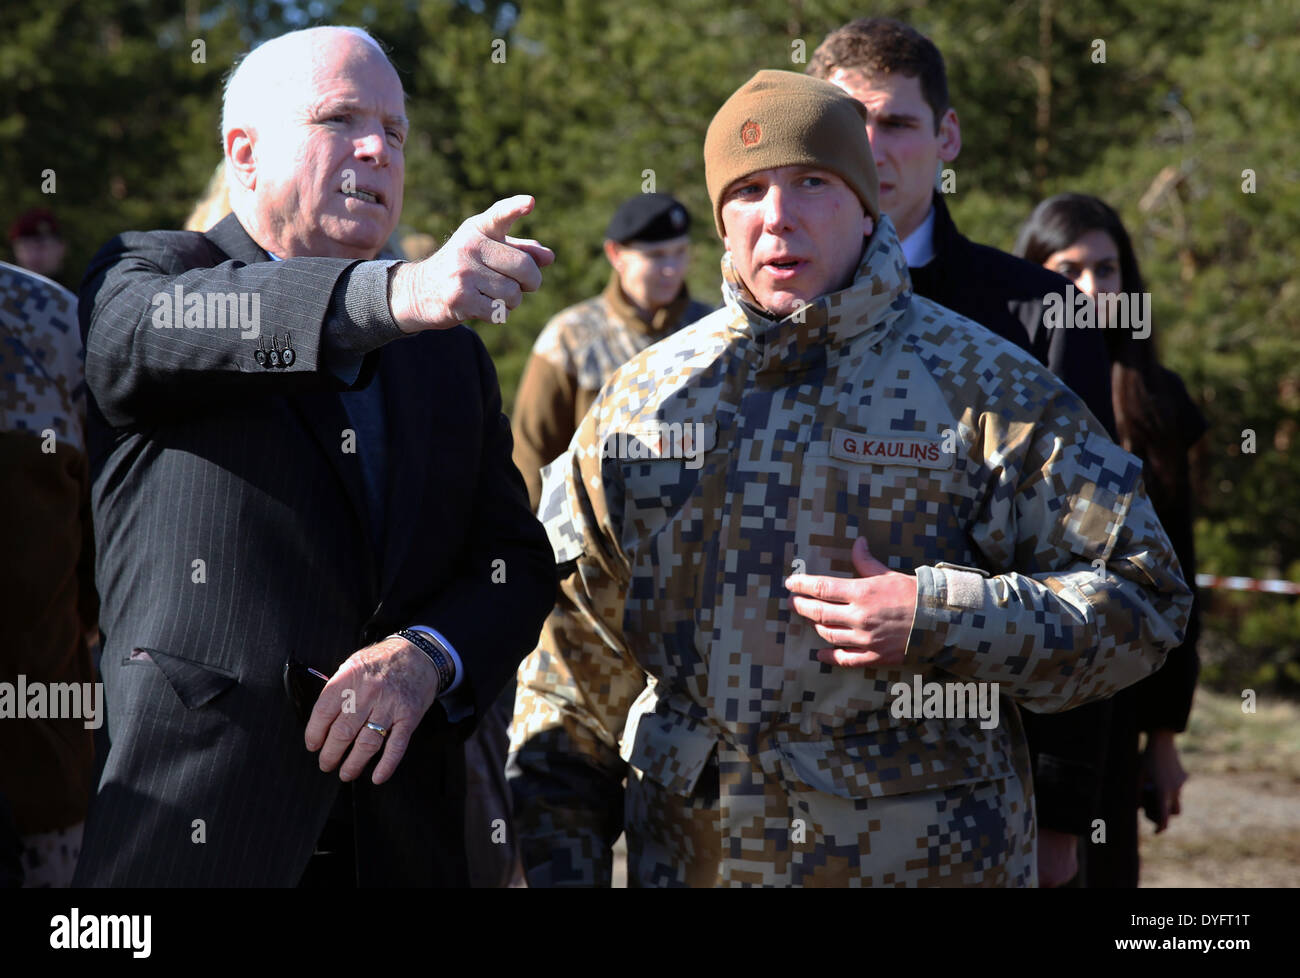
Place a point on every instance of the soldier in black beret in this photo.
(648, 218)
(648, 246)
(38, 243)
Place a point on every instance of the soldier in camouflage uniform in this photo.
(648, 246)
(824, 415)
(48, 608)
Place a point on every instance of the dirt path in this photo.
(1237, 829)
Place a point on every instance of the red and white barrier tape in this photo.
(1247, 584)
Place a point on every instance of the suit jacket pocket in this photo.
(195, 683)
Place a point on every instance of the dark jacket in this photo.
(200, 452)
(1162, 701)
(1005, 294)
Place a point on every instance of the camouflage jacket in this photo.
(575, 353)
(674, 659)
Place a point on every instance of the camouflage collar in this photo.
(878, 296)
(665, 319)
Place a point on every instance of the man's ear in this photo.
(239, 150)
(612, 253)
(949, 136)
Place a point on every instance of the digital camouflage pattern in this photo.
(575, 353)
(41, 358)
(674, 659)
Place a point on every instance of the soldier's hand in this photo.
(391, 684)
(480, 271)
(1058, 857)
(1160, 765)
(866, 619)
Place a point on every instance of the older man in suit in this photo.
(315, 552)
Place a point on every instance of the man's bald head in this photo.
(313, 128)
(257, 87)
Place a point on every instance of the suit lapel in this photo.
(320, 412)
(945, 240)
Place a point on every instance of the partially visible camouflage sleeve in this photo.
(575, 691)
(1097, 597)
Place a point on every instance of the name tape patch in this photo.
(917, 451)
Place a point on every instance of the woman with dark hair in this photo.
(1083, 239)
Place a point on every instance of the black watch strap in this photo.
(431, 647)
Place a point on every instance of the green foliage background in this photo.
(591, 94)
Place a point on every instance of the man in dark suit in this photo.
(297, 454)
(899, 76)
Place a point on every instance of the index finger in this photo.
(839, 589)
(539, 253)
(496, 220)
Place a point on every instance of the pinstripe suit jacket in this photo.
(231, 531)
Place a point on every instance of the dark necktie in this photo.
(365, 411)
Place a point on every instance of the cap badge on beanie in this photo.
(751, 133)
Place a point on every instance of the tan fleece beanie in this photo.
(783, 118)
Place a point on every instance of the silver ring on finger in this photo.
(382, 731)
